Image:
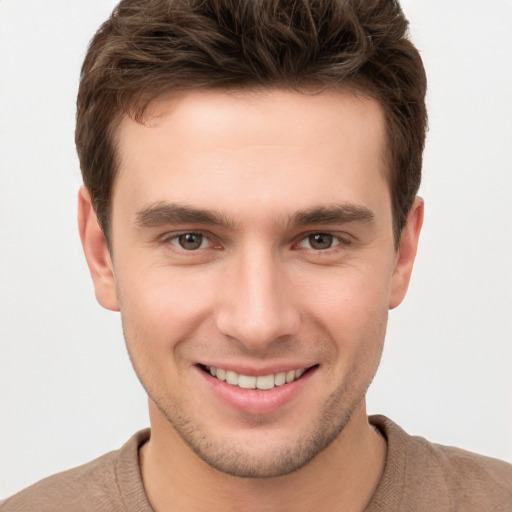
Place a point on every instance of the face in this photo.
(253, 263)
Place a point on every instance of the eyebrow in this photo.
(163, 213)
(336, 214)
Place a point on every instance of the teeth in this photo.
(232, 378)
(251, 382)
(265, 382)
(246, 382)
(280, 379)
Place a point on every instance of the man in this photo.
(250, 208)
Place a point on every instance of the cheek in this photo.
(161, 306)
(160, 311)
(350, 294)
(351, 308)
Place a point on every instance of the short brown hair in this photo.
(148, 47)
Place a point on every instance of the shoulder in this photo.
(429, 476)
(59, 491)
(470, 470)
(98, 485)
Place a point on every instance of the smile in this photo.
(253, 382)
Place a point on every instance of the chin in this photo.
(263, 451)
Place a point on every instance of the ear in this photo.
(96, 252)
(406, 253)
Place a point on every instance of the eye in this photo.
(320, 241)
(190, 241)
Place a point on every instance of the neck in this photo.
(344, 476)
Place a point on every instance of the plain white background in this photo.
(67, 390)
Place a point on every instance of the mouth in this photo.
(262, 382)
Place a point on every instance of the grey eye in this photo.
(320, 241)
(190, 241)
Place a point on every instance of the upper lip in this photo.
(253, 371)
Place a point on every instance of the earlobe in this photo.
(96, 252)
(406, 253)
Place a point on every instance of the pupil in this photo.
(190, 241)
(320, 241)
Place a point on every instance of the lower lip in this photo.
(256, 401)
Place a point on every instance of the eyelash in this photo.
(174, 240)
(339, 241)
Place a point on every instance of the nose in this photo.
(257, 304)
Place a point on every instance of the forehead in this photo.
(269, 114)
(266, 147)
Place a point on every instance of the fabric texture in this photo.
(419, 476)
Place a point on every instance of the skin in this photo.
(267, 171)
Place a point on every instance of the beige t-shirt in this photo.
(418, 477)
